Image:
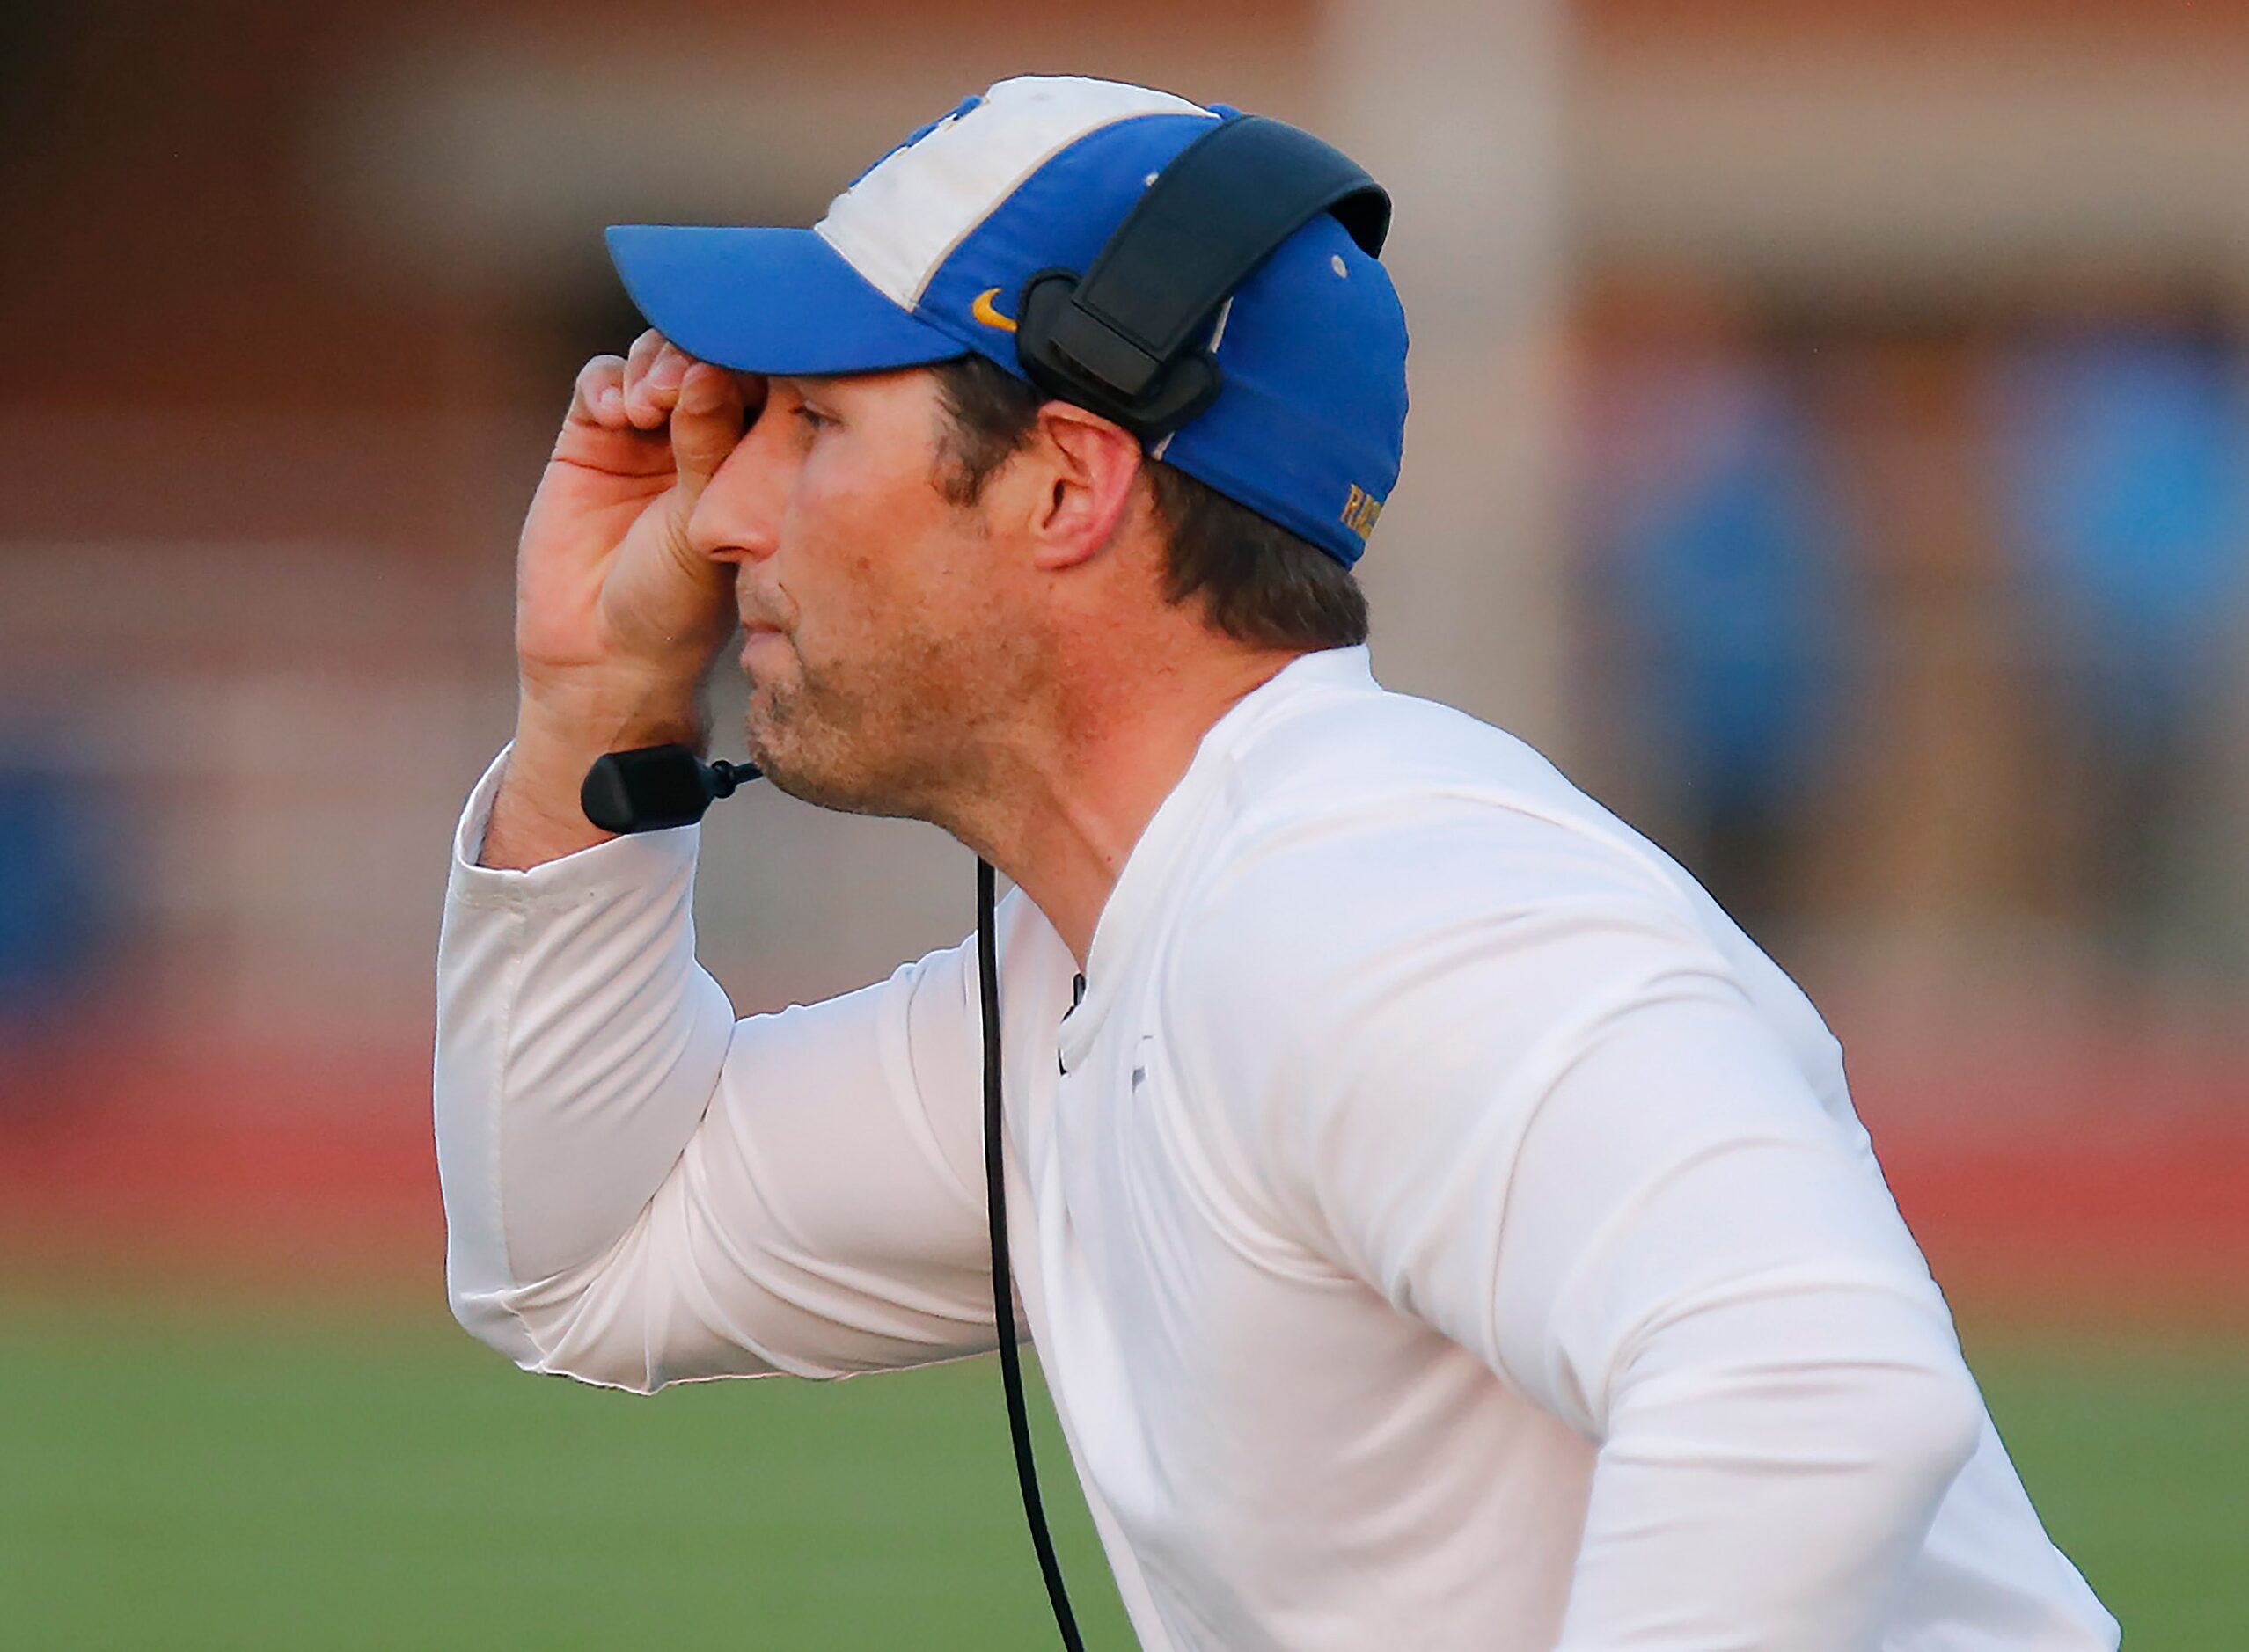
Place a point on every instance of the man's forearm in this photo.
(578, 1046)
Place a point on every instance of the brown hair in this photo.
(1260, 584)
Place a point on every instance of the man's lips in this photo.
(755, 636)
(767, 619)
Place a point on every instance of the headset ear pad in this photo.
(1050, 322)
(1043, 299)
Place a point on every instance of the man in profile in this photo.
(1439, 1225)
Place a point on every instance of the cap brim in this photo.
(767, 301)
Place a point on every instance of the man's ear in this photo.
(1087, 486)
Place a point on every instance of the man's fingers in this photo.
(652, 383)
(658, 384)
(598, 395)
(637, 409)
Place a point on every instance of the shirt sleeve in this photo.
(642, 1189)
(1501, 1075)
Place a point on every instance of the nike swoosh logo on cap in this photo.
(983, 312)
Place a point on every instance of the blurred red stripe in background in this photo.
(304, 1172)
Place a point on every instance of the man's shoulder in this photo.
(1374, 836)
(1392, 877)
(1352, 724)
(1398, 897)
(1409, 794)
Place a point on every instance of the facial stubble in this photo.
(869, 737)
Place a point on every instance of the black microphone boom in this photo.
(657, 787)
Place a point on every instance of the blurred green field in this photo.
(204, 1476)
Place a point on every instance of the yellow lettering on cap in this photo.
(1360, 508)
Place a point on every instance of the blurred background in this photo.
(1830, 442)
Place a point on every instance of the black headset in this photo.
(1116, 340)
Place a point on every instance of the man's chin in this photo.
(784, 758)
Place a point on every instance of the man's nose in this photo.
(737, 516)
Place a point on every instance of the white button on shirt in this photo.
(1439, 1225)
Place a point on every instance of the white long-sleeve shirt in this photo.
(1439, 1225)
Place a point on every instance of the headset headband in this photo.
(1116, 340)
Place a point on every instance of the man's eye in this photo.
(812, 417)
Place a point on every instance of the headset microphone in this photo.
(656, 786)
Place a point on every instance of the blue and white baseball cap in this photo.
(922, 259)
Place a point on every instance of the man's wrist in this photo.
(612, 715)
(536, 813)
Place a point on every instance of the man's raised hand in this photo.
(618, 619)
(612, 604)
